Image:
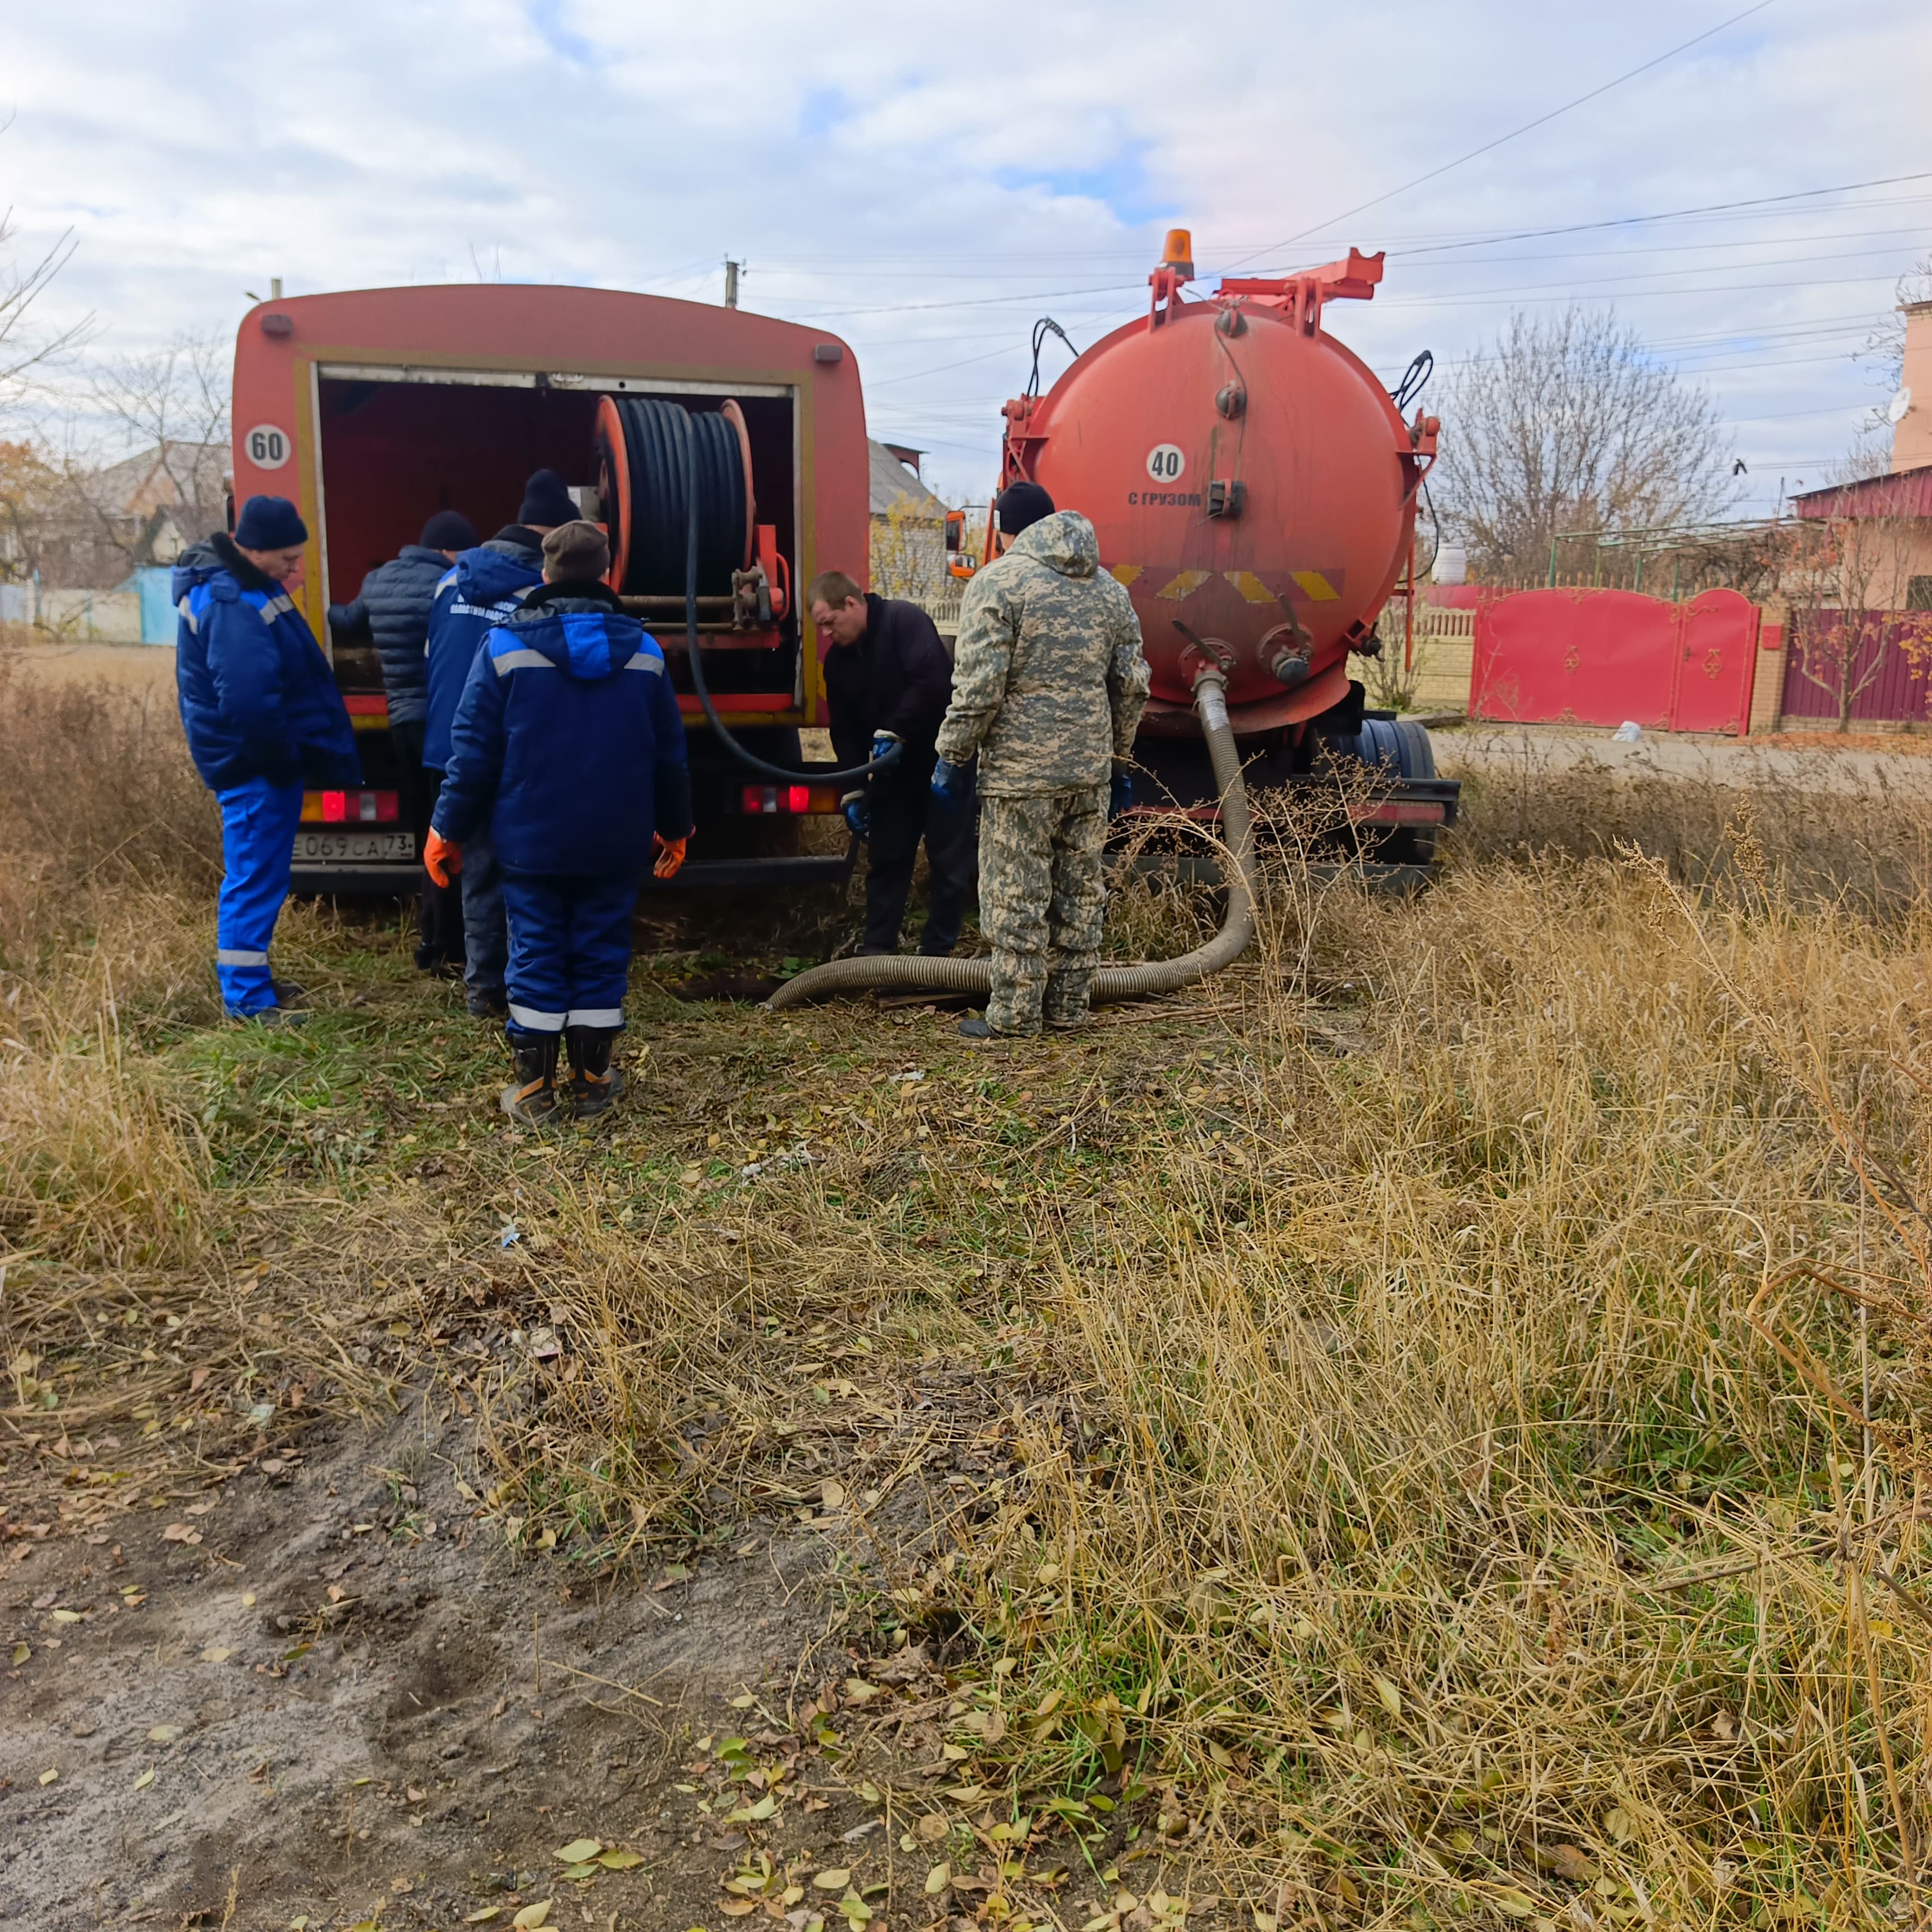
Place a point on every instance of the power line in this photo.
(1489, 147)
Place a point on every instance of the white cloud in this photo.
(928, 181)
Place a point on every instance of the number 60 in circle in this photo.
(1165, 462)
(267, 447)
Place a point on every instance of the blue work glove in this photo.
(858, 813)
(1120, 796)
(952, 785)
(887, 745)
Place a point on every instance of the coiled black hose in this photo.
(693, 550)
(678, 459)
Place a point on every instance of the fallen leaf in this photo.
(619, 1861)
(743, 1703)
(164, 1734)
(1516, 1903)
(146, 1778)
(67, 1616)
(1390, 1697)
(1570, 1861)
(181, 1532)
(857, 1689)
(938, 1879)
(579, 1873)
(832, 1493)
(22, 1652)
(538, 1914)
(835, 1879)
(482, 1917)
(578, 1850)
(48, 1776)
(216, 1653)
(737, 1908)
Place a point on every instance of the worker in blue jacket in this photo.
(567, 753)
(263, 718)
(486, 588)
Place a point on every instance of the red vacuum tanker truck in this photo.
(1252, 484)
(1254, 488)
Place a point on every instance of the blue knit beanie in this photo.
(547, 503)
(270, 523)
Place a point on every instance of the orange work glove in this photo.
(441, 859)
(670, 855)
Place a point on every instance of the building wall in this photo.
(1911, 436)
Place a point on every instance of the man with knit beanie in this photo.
(568, 752)
(263, 718)
(393, 608)
(487, 588)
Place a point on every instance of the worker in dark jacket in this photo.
(393, 608)
(263, 718)
(568, 750)
(888, 680)
(486, 588)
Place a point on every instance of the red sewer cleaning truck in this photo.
(1251, 482)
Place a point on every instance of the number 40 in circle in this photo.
(267, 447)
(1165, 462)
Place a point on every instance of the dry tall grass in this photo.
(1462, 1376)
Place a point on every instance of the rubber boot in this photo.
(531, 1095)
(594, 1083)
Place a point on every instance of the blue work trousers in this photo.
(258, 833)
(486, 945)
(570, 952)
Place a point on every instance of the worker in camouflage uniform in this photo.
(1048, 683)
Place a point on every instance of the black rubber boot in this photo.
(594, 1083)
(532, 1096)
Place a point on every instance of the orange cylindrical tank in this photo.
(1250, 482)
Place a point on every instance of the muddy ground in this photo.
(328, 1694)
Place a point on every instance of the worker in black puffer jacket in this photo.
(394, 610)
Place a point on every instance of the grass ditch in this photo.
(1429, 1430)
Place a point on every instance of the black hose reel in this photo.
(676, 486)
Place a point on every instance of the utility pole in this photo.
(732, 271)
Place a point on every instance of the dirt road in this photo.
(1501, 749)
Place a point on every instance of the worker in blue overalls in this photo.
(567, 753)
(263, 717)
(485, 589)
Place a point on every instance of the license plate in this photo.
(324, 848)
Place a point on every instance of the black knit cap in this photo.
(546, 503)
(270, 523)
(1020, 506)
(449, 530)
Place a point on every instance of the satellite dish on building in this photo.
(1895, 409)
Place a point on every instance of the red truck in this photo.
(373, 409)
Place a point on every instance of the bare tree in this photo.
(1567, 424)
(175, 402)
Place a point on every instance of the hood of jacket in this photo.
(422, 553)
(210, 557)
(494, 571)
(1064, 541)
(581, 633)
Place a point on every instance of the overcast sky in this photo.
(926, 180)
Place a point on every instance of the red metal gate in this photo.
(1600, 657)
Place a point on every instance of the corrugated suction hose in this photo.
(1110, 983)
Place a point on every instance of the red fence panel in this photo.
(1717, 655)
(1599, 657)
(1888, 670)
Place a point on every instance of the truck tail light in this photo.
(348, 807)
(798, 798)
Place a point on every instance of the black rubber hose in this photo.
(1110, 982)
(697, 684)
(665, 447)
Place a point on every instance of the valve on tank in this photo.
(1285, 650)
